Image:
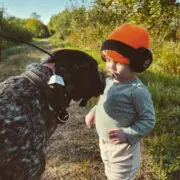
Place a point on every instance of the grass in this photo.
(15, 58)
(15, 63)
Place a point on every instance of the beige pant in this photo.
(121, 161)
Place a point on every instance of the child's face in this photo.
(118, 70)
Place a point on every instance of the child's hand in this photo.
(117, 135)
(90, 119)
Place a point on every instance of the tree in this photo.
(37, 28)
(34, 15)
(14, 27)
(60, 24)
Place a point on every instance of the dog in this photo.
(31, 108)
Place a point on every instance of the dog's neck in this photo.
(42, 73)
(39, 76)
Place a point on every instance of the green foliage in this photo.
(165, 151)
(60, 24)
(171, 115)
(168, 55)
(14, 27)
(23, 29)
(34, 15)
(90, 26)
(38, 29)
(164, 96)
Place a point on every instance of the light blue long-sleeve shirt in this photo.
(126, 105)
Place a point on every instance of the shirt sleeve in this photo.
(145, 119)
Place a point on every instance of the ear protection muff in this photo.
(140, 59)
(144, 60)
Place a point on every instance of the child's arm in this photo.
(90, 117)
(145, 116)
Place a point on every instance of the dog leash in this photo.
(22, 41)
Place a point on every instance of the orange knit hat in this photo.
(133, 35)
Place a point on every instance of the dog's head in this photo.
(80, 73)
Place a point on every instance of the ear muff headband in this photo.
(140, 59)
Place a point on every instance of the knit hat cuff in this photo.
(115, 56)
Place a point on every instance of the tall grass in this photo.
(15, 58)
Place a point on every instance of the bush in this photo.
(14, 27)
(38, 29)
(60, 25)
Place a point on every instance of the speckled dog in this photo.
(30, 109)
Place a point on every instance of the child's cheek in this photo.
(124, 72)
(108, 66)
